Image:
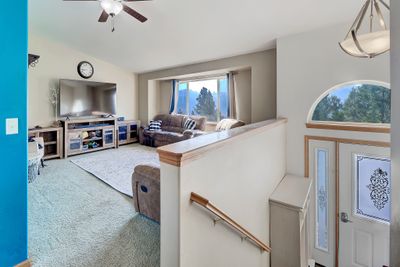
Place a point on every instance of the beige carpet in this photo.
(77, 220)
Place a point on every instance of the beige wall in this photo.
(60, 62)
(159, 97)
(239, 179)
(154, 97)
(261, 92)
(165, 96)
(395, 153)
(309, 64)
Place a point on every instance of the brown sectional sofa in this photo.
(172, 130)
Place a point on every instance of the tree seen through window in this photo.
(365, 103)
(207, 98)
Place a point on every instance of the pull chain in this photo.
(112, 22)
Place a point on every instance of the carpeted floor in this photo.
(77, 220)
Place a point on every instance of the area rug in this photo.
(115, 166)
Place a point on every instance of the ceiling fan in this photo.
(112, 8)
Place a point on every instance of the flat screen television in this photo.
(84, 98)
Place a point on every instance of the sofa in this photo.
(227, 124)
(146, 191)
(172, 130)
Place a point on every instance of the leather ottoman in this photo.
(146, 191)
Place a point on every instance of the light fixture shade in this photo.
(374, 42)
(369, 44)
(112, 7)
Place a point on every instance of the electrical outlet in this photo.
(11, 126)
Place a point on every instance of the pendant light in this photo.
(376, 41)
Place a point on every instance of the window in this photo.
(356, 102)
(373, 181)
(208, 97)
(322, 181)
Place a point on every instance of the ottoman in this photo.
(146, 191)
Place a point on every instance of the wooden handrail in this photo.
(210, 207)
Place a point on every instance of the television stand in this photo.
(88, 135)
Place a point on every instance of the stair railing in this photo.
(245, 235)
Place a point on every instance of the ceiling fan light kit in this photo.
(376, 41)
(111, 7)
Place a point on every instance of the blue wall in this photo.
(13, 148)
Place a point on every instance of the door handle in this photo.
(344, 217)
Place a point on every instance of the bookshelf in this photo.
(52, 136)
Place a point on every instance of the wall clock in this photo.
(85, 70)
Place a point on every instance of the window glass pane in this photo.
(373, 188)
(365, 103)
(322, 181)
(224, 98)
(182, 94)
(203, 97)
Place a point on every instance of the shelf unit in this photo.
(53, 145)
(289, 222)
(127, 132)
(89, 135)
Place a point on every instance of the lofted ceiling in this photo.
(181, 32)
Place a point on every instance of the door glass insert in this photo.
(123, 133)
(322, 181)
(373, 183)
(108, 137)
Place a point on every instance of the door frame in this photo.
(337, 141)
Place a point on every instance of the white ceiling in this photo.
(180, 32)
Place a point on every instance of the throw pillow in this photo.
(155, 126)
(190, 124)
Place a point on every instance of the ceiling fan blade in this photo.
(134, 13)
(103, 17)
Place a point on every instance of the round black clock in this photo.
(85, 69)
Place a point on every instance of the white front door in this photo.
(364, 205)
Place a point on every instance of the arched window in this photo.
(366, 102)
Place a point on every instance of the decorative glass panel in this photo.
(322, 182)
(373, 188)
